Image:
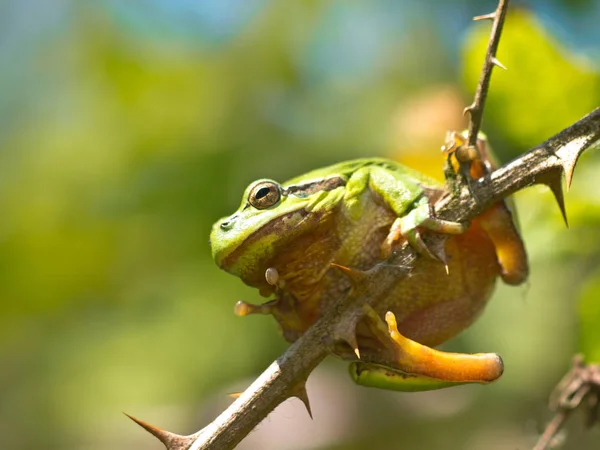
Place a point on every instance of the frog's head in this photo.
(270, 218)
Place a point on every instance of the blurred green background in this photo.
(128, 128)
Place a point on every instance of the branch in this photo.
(286, 377)
(476, 108)
(580, 383)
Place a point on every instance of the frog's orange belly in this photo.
(432, 306)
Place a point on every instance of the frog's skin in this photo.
(286, 239)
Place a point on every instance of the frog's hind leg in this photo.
(500, 225)
(409, 227)
(412, 358)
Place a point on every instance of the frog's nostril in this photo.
(228, 223)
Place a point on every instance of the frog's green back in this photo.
(347, 168)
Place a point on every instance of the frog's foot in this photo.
(243, 308)
(478, 159)
(448, 368)
(409, 226)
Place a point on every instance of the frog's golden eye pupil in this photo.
(264, 195)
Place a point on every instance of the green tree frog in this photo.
(289, 240)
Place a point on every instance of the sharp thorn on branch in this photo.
(170, 440)
(439, 252)
(490, 16)
(490, 61)
(354, 275)
(554, 181)
(569, 168)
(497, 63)
(469, 109)
(350, 339)
(301, 393)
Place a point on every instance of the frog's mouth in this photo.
(242, 262)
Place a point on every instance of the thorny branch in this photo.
(476, 108)
(581, 386)
(286, 377)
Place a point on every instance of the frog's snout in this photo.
(227, 223)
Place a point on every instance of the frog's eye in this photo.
(264, 195)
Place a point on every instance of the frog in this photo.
(299, 242)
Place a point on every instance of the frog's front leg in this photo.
(416, 367)
(408, 227)
(410, 202)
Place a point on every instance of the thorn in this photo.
(354, 275)
(555, 184)
(346, 332)
(350, 339)
(170, 440)
(569, 168)
(439, 252)
(469, 109)
(234, 394)
(300, 393)
(490, 16)
(495, 62)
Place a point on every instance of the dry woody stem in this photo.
(580, 388)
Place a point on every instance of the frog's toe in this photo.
(416, 358)
(395, 234)
(443, 226)
(436, 251)
(415, 239)
(243, 308)
(410, 226)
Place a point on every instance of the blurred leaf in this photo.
(589, 317)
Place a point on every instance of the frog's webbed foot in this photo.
(243, 308)
(409, 226)
(440, 368)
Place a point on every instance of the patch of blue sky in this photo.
(26, 28)
(212, 22)
(574, 24)
(350, 41)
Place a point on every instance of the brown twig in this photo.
(475, 110)
(580, 383)
(469, 152)
(548, 438)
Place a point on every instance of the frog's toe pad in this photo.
(243, 308)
